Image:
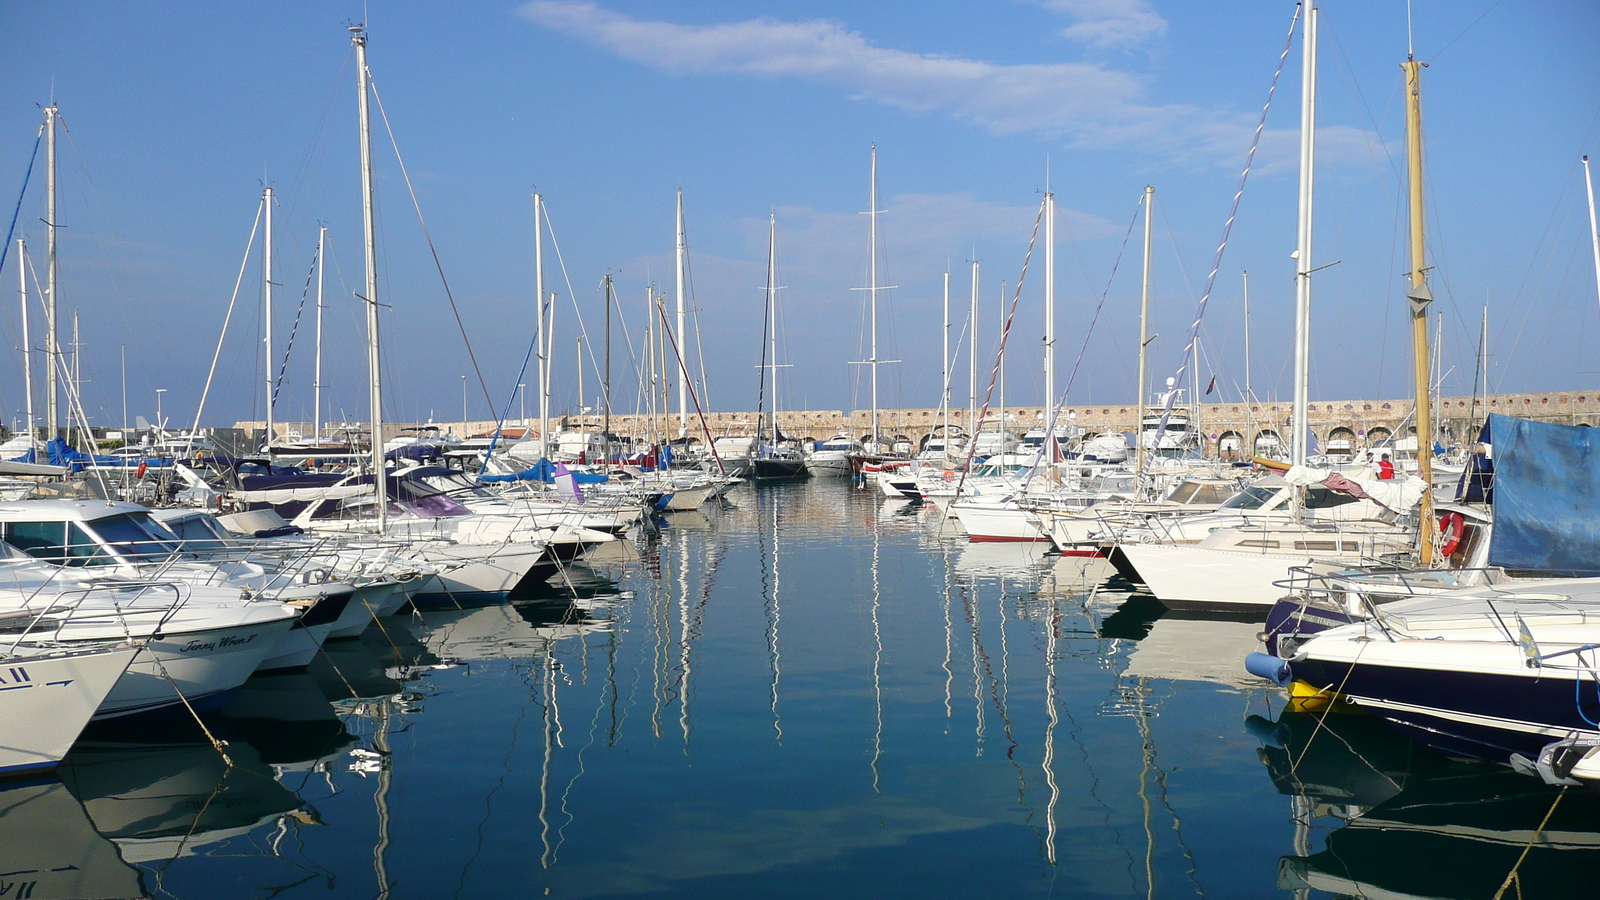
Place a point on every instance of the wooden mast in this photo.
(1419, 298)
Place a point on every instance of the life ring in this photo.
(949, 476)
(1452, 526)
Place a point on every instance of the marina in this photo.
(720, 609)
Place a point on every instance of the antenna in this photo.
(1410, 47)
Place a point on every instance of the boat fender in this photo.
(1452, 526)
(1265, 665)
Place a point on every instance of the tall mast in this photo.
(1049, 301)
(51, 285)
(1483, 356)
(972, 360)
(316, 388)
(266, 294)
(370, 246)
(1420, 298)
(772, 319)
(1249, 448)
(650, 357)
(1302, 306)
(683, 386)
(580, 388)
(27, 342)
(606, 383)
(541, 337)
(1001, 332)
(1144, 340)
(872, 248)
(1594, 230)
(76, 397)
(944, 368)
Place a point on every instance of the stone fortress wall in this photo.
(1358, 423)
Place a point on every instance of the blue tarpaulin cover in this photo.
(544, 470)
(1546, 497)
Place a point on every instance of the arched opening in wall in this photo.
(1230, 445)
(1342, 442)
(1379, 435)
(1268, 443)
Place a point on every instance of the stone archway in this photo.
(1268, 442)
(1341, 441)
(1378, 435)
(1230, 445)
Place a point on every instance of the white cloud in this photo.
(1116, 24)
(1088, 104)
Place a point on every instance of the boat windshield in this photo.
(1199, 492)
(1252, 497)
(197, 532)
(132, 534)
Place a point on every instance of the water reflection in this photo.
(1409, 823)
(51, 850)
(817, 690)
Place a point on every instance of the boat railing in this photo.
(78, 610)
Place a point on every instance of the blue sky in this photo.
(179, 112)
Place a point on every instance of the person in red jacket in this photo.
(1385, 468)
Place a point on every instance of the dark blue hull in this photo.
(1480, 715)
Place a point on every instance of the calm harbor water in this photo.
(816, 693)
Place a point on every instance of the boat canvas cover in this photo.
(1546, 497)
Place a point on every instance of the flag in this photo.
(1212, 386)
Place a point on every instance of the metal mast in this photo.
(1144, 339)
(683, 386)
(772, 320)
(370, 245)
(1419, 297)
(1302, 306)
(1050, 305)
(27, 342)
(872, 241)
(316, 388)
(944, 368)
(541, 337)
(1594, 231)
(1249, 449)
(52, 409)
(972, 361)
(266, 288)
(606, 382)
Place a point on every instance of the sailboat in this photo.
(775, 459)
(1239, 568)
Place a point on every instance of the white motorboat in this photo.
(48, 696)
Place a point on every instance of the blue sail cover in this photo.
(1546, 497)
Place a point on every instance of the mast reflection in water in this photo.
(814, 691)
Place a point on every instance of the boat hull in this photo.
(46, 702)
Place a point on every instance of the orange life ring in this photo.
(1453, 526)
(949, 476)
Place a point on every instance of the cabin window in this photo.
(1262, 544)
(41, 540)
(1336, 546)
(1253, 497)
(1322, 498)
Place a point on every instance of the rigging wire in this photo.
(1222, 246)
